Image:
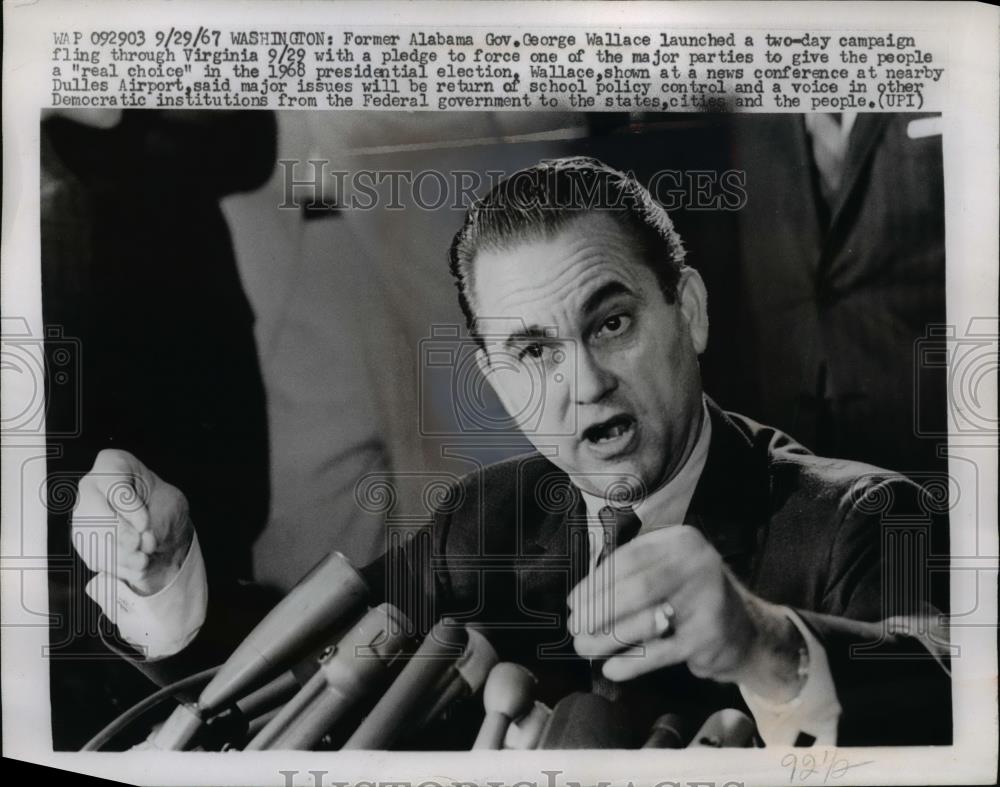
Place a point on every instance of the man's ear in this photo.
(693, 299)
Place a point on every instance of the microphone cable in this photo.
(121, 722)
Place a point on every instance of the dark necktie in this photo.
(620, 525)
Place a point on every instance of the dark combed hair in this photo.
(538, 202)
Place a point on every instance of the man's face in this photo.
(582, 348)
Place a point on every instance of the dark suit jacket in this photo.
(818, 535)
(844, 291)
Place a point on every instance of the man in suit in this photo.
(842, 270)
(655, 550)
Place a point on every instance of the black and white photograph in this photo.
(523, 433)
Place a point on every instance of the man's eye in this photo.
(530, 351)
(614, 325)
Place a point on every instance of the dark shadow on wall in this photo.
(138, 267)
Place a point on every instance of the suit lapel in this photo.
(799, 213)
(730, 502)
(867, 129)
(555, 559)
(561, 536)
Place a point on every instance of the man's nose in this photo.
(594, 380)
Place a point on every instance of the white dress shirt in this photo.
(164, 623)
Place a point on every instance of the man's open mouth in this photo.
(609, 431)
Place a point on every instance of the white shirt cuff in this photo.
(164, 623)
(813, 715)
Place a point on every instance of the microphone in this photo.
(507, 696)
(270, 696)
(527, 731)
(185, 721)
(412, 689)
(670, 731)
(586, 721)
(464, 678)
(355, 667)
(726, 728)
(329, 597)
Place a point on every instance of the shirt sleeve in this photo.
(164, 623)
(813, 715)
